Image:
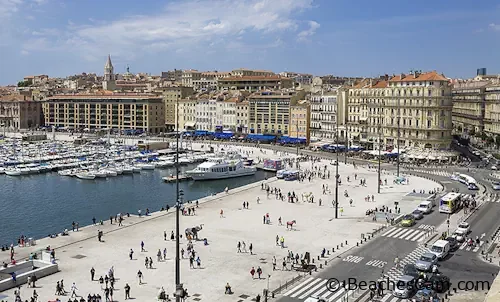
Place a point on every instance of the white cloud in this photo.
(305, 34)
(25, 52)
(9, 7)
(495, 27)
(187, 24)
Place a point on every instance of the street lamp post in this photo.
(179, 291)
(337, 163)
(399, 150)
(297, 142)
(379, 146)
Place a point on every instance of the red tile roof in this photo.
(426, 76)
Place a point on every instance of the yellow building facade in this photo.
(106, 111)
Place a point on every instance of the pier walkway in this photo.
(314, 230)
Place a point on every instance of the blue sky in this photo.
(340, 37)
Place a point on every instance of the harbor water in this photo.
(42, 204)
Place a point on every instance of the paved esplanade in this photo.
(220, 262)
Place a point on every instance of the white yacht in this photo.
(146, 166)
(85, 175)
(101, 173)
(13, 172)
(220, 168)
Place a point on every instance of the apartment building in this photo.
(300, 119)
(469, 107)
(242, 117)
(255, 83)
(206, 118)
(419, 105)
(187, 114)
(202, 80)
(170, 96)
(228, 108)
(269, 113)
(243, 72)
(17, 112)
(120, 111)
(492, 110)
(323, 115)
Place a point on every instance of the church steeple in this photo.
(109, 76)
(108, 68)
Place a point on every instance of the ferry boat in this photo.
(221, 168)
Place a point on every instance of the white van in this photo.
(441, 249)
(425, 207)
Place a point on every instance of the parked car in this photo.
(453, 243)
(496, 185)
(408, 220)
(426, 261)
(417, 214)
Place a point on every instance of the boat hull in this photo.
(217, 175)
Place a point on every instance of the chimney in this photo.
(371, 82)
(387, 77)
(402, 76)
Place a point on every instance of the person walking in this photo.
(73, 290)
(139, 277)
(127, 291)
(251, 248)
(238, 246)
(259, 272)
(165, 235)
(92, 273)
(252, 272)
(131, 254)
(142, 246)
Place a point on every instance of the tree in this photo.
(497, 140)
(22, 84)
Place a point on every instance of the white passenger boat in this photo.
(2, 170)
(85, 175)
(220, 168)
(136, 169)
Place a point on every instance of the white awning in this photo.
(190, 124)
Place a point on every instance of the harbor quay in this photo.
(224, 222)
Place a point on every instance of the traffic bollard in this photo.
(342, 245)
(357, 244)
(318, 257)
(328, 252)
(320, 265)
(333, 250)
(346, 242)
(337, 246)
(326, 262)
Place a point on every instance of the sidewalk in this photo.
(314, 230)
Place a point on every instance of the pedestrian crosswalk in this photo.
(397, 270)
(365, 297)
(409, 234)
(473, 249)
(312, 289)
(434, 172)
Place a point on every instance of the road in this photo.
(369, 261)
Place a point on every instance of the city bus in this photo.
(466, 179)
(450, 203)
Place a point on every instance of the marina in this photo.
(62, 183)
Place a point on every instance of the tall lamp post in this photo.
(297, 142)
(179, 291)
(337, 162)
(380, 115)
(399, 121)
